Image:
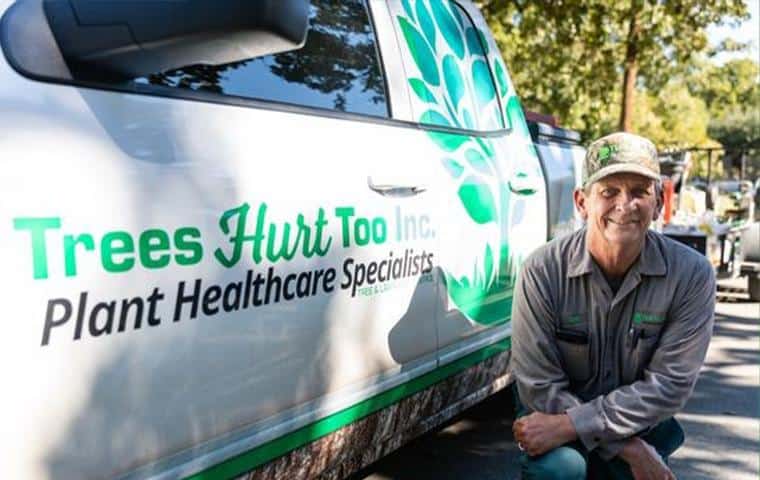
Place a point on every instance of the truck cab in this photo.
(561, 154)
(265, 238)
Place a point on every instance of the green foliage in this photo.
(567, 58)
(672, 117)
(732, 93)
(737, 128)
(726, 88)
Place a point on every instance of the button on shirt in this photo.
(619, 363)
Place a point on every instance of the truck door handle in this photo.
(523, 184)
(395, 190)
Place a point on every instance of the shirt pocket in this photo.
(574, 342)
(643, 339)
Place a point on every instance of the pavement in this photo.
(721, 419)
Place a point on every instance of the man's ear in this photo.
(579, 198)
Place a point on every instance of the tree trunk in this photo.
(631, 70)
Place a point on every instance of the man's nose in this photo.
(626, 201)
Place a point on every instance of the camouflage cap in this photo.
(620, 152)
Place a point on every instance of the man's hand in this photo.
(539, 433)
(645, 462)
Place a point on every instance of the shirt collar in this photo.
(581, 261)
(650, 262)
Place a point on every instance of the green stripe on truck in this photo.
(262, 454)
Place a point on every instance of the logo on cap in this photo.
(605, 153)
(620, 153)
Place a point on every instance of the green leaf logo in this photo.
(448, 27)
(516, 117)
(422, 91)
(454, 80)
(434, 118)
(501, 78)
(478, 161)
(472, 42)
(467, 117)
(483, 84)
(454, 168)
(605, 153)
(408, 9)
(488, 262)
(483, 42)
(421, 53)
(476, 42)
(426, 22)
(458, 90)
(478, 200)
(455, 11)
(446, 141)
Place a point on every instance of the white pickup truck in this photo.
(276, 237)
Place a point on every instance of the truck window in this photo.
(337, 68)
(447, 59)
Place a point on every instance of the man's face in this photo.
(619, 208)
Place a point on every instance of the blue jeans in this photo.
(573, 462)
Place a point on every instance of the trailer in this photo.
(715, 218)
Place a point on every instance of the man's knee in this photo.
(561, 463)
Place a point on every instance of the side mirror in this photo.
(115, 40)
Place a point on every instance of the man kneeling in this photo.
(610, 328)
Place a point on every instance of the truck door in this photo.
(492, 204)
(208, 258)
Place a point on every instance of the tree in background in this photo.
(732, 94)
(560, 59)
(570, 58)
(726, 86)
(672, 118)
(737, 129)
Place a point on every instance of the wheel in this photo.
(754, 287)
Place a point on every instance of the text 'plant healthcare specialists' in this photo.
(251, 237)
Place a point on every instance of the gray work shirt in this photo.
(616, 364)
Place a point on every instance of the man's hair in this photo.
(658, 193)
(657, 188)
